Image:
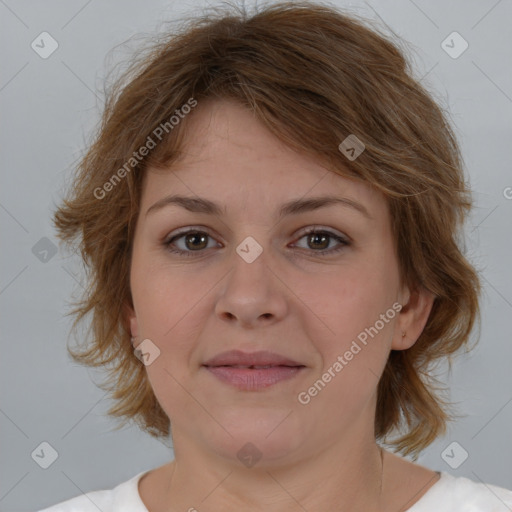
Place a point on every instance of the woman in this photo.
(271, 213)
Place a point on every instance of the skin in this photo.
(290, 300)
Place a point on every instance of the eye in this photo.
(321, 239)
(190, 241)
(193, 241)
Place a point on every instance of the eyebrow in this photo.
(294, 207)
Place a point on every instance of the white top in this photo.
(448, 494)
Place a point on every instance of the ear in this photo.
(131, 317)
(412, 318)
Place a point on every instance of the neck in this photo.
(342, 478)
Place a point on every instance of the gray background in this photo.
(48, 109)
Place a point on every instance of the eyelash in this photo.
(343, 242)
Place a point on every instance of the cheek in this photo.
(353, 340)
(167, 308)
(343, 303)
(350, 321)
(170, 318)
(165, 294)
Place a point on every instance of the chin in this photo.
(258, 438)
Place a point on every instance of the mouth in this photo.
(252, 371)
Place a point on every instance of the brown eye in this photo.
(189, 242)
(196, 241)
(319, 241)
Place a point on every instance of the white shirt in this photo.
(448, 494)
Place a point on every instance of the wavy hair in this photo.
(313, 75)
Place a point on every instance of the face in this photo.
(249, 279)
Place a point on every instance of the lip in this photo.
(233, 367)
(260, 358)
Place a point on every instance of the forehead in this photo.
(230, 157)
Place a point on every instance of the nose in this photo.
(252, 293)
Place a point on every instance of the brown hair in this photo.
(313, 75)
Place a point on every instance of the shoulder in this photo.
(452, 494)
(124, 497)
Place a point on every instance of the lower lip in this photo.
(248, 379)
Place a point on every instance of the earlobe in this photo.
(412, 319)
(134, 326)
(403, 341)
(131, 316)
